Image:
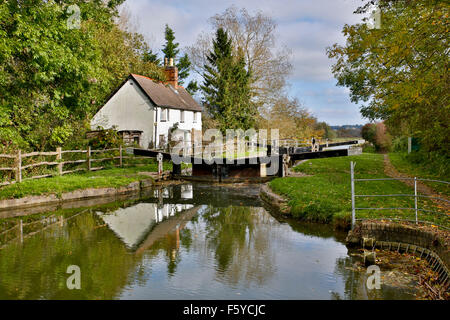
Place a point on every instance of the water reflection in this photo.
(182, 242)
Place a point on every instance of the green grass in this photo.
(403, 164)
(325, 195)
(107, 178)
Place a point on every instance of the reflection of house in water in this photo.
(133, 224)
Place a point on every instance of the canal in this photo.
(189, 241)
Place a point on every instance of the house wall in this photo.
(128, 109)
(174, 117)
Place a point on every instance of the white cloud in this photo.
(307, 27)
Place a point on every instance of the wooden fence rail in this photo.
(18, 166)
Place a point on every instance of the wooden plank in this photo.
(32, 154)
(74, 161)
(10, 156)
(97, 168)
(74, 151)
(39, 177)
(39, 164)
(103, 159)
(106, 150)
(72, 171)
(7, 183)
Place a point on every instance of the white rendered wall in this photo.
(128, 109)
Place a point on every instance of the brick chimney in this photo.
(171, 72)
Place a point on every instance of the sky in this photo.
(307, 27)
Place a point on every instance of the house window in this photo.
(195, 117)
(181, 115)
(162, 140)
(164, 114)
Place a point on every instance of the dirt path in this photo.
(423, 189)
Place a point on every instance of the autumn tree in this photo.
(400, 71)
(254, 36)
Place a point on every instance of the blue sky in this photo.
(307, 27)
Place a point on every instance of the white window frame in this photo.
(195, 117)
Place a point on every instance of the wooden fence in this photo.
(59, 163)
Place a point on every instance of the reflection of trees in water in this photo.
(239, 238)
(37, 269)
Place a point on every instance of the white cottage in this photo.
(145, 112)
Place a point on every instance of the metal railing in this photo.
(415, 195)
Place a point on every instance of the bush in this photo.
(400, 144)
(368, 147)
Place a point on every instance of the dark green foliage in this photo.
(149, 56)
(105, 139)
(226, 86)
(192, 87)
(54, 78)
(170, 49)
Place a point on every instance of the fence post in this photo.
(59, 157)
(415, 199)
(120, 156)
(19, 166)
(88, 155)
(352, 177)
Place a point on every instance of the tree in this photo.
(291, 120)
(226, 86)
(53, 78)
(254, 35)
(183, 64)
(400, 71)
(170, 49)
(149, 56)
(328, 133)
(368, 132)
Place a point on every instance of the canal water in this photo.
(190, 241)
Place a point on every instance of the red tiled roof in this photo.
(165, 95)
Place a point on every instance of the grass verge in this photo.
(325, 195)
(404, 164)
(106, 178)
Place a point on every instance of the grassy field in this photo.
(401, 162)
(113, 177)
(325, 195)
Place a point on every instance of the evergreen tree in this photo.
(226, 86)
(170, 49)
(183, 64)
(149, 56)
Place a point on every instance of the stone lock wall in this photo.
(395, 236)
